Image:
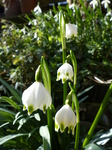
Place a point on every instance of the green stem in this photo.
(49, 121)
(76, 104)
(77, 136)
(78, 122)
(65, 84)
(98, 116)
(63, 40)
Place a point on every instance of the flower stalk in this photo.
(98, 116)
(63, 40)
(76, 104)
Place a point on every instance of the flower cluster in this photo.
(37, 97)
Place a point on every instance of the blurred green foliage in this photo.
(21, 48)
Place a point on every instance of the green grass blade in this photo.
(6, 115)
(10, 137)
(10, 101)
(46, 74)
(11, 89)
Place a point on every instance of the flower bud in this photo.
(38, 74)
(65, 117)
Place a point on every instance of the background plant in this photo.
(21, 47)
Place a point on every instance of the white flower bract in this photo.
(105, 3)
(71, 30)
(65, 117)
(94, 3)
(36, 97)
(65, 72)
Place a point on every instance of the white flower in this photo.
(71, 30)
(65, 72)
(94, 3)
(36, 97)
(105, 2)
(65, 117)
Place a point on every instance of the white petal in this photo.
(71, 30)
(37, 96)
(66, 117)
(65, 72)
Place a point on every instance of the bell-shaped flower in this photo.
(105, 3)
(65, 117)
(94, 3)
(36, 97)
(71, 30)
(65, 72)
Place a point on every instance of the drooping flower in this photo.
(94, 3)
(65, 72)
(36, 97)
(71, 30)
(65, 117)
(105, 3)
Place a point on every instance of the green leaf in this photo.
(104, 138)
(44, 132)
(6, 115)
(46, 74)
(62, 29)
(10, 137)
(11, 89)
(10, 101)
(74, 62)
(40, 148)
(93, 146)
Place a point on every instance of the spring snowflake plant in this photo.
(63, 125)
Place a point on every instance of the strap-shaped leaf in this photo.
(6, 115)
(93, 146)
(44, 132)
(10, 101)
(11, 89)
(74, 62)
(10, 137)
(46, 74)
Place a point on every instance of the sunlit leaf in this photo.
(11, 89)
(44, 132)
(10, 137)
(46, 74)
(10, 101)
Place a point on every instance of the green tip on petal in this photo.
(24, 107)
(69, 128)
(58, 74)
(62, 127)
(63, 80)
(67, 74)
(44, 109)
(30, 109)
(72, 78)
(56, 127)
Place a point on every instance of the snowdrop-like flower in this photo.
(94, 3)
(105, 3)
(65, 117)
(36, 97)
(71, 30)
(65, 72)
